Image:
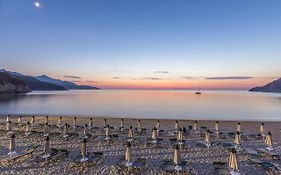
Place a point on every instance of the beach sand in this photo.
(200, 159)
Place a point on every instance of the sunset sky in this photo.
(144, 44)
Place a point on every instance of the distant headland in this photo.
(14, 82)
(274, 86)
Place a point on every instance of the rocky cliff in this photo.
(10, 84)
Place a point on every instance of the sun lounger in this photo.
(269, 167)
(272, 154)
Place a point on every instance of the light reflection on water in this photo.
(221, 105)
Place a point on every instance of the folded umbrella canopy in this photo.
(12, 145)
(177, 158)
(84, 151)
(128, 154)
(47, 149)
(268, 141)
(233, 162)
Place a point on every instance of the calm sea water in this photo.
(213, 105)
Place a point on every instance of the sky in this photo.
(144, 44)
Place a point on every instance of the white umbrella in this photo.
(32, 120)
(268, 141)
(47, 119)
(128, 155)
(238, 128)
(130, 133)
(233, 162)
(122, 125)
(262, 129)
(19, 119)
(59, 122)
(84, 150)
(105, 123)
(9, 127)
(154, 135)
(180, 136)
(139, 126)
(207, 138)
(158, 125)
(107, 132)
(65, 131)
(195, 126)
(46, 129)
(217, 126)
(27, 129)
(237, 139)
(91, 123)
(12, 145)
(74, 123)
(86, 130)
(176, 125)
(8, 118)
(47, 149)
(177, 158)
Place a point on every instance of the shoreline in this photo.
(253, 126)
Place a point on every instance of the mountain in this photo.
(10, 84)
(32, 82)
(274, 86)
(65, 84)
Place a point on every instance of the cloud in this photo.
(161, 72)
(71, 76)
(94, 82)
(152, 78)
(230, 78)
(116, 77)
(192, 77)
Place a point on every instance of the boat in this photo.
(198, 92)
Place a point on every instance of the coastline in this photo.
(253, 126)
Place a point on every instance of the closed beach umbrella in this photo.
(84, 150)
(154, 134)
(238, 128)
(86, 130)
(122, 125)
(128, 154)
(130, 132)
(47, 119)
(233, 160)
(47, 149)
(65, 130)
(59, 122)
(177, 158)
(139, 126)
(32, 120)
(105, 123)
(176, 125)
(207, 138)
(74, 123)
(180, 135)
(27, 128)
(217, 126)
(9, 126)
(46, 129)
(91, 122)
(8, 118)
(107, 132)
(12, 145)
(19, 119)
(158, 125)
(262, 130)
(268, 141)
(237, 138)
(195, 126)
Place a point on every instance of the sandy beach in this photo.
(107, 156)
